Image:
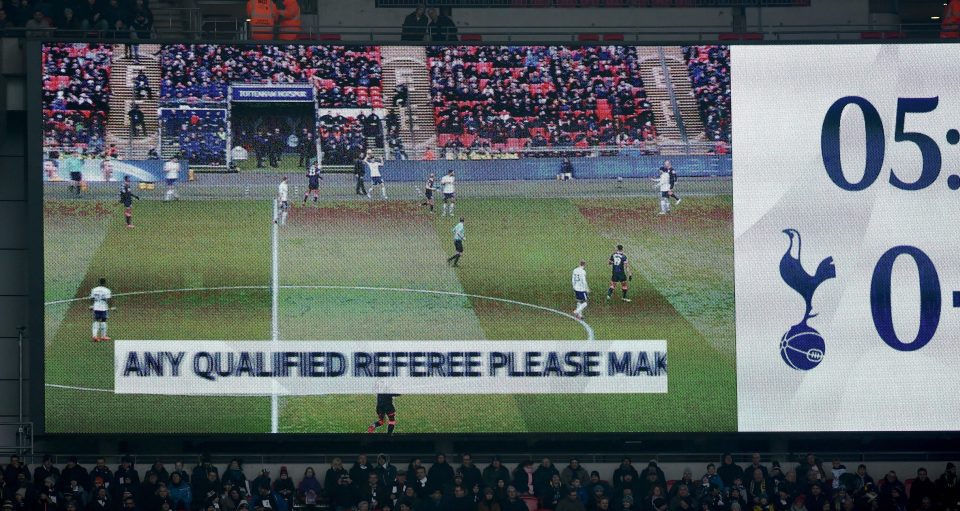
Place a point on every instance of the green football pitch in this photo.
(202, 269)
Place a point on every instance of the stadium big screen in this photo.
(480, 239)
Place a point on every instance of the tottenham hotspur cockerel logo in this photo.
(802, 347)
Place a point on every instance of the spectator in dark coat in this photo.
(572, 471)
(415, 25)
(471, 474)
(494, 472)
(543, 476)
(728, 470)
(523, 478)
(626, 464)
(948, 489)
(441, 473)
(45, 470)
(12, 470)
(441, 28)
(332, 477)
(922, 487)
(513, 502)
(360, 471)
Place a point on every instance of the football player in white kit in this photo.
(581, 289)
(448, 187)
(663, 183)
(171, 171)
(101, 305)
(376, 178)
(282, 201)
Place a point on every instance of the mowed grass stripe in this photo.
(525, 250)
(176, 245)
(379, 244)
(687, 255)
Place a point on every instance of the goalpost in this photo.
(269, 93)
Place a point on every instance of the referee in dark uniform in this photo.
(386, 412)
(360, 170)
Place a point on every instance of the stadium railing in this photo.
(230, 29)
(22, 435)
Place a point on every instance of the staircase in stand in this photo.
(658, 93)
(683, 90)
(123, 71)
(408, 64)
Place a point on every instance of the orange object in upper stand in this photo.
(950, 26)
(290, 21)
(263, 16)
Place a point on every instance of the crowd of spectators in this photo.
(76, 94)
(369, 485)
(710, 75)
(343, 76)
(343, 140)
(509, 97)
(112, 18)
(200, 135)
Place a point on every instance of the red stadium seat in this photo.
(532, 503)
(588, 37)
(670, 484)
(752, 36)
(471, 37)
(729, 36)
(614, 3)
(566, 3)
(541, 3)
(613, 37)
(329, 37)
(907, 485)
(871, 35)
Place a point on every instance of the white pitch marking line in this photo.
(584, 324)
(275, 315)
(586, 327)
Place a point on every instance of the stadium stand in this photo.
(344, 76)
(200, 134)
(368, 484)
(539, 96)
(76, 95)
(710, 74)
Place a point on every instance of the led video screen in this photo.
(439, 239)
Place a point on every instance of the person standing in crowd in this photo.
(566, 170)
(137, 121)
(289, 21)
(305, 147)
(263, 16)
(441, 27)
(260, 147)
(415, 25)
(275, 147)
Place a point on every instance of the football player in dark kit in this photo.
(385, 409)
(313, 183)
(126, 198)
(621, 272)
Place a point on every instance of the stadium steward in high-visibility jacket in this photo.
(263, 16)
(950, 24)
(290, 21)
